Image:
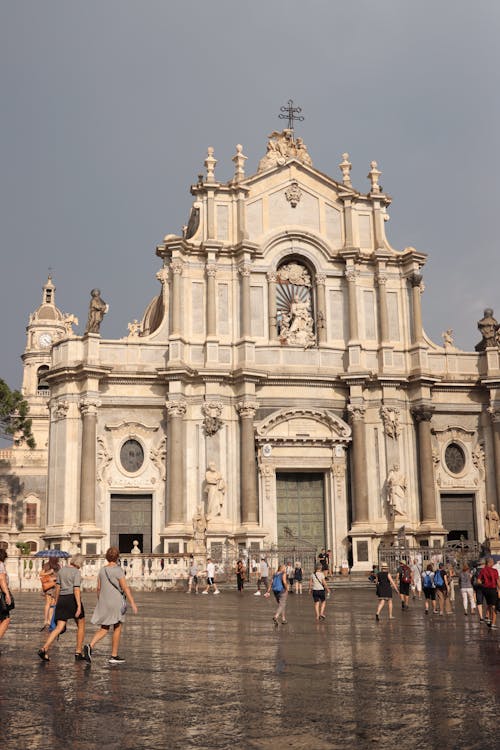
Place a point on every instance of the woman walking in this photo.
(48, 577)
(319, 589)
(5, 595)
(465, 582)
(240, 575)
(112, 590)
(385, 583)
(69, 606)
(297, 577)
(279, 587)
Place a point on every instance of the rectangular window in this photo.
(4, 514)
(31, 513)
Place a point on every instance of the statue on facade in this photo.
(448, 339)
(215, 489)
(488, 327)
(297, 326)
(492, 525)
(283, 146)
(97, 310)
(199, 531)
(396, 490)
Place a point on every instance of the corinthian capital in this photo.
(381, 278)
(89, 406)
(244, 269)
(247, 408)
(211, 269)
(321, 278)
(351, 273)
(177, 265)
(272, 277)
(494, 413)
(176, 408)
(422, 413)
(356, 412)
(162, 275)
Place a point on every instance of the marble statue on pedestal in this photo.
(97, 310)
(396, 490)
(492, 525)
(215, 489)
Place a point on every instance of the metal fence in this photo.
(456, 553)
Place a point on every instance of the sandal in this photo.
(43, 655)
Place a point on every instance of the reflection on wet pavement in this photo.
(213, 672)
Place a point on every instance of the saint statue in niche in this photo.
(215, 489)
(396, 490)
(294, 306)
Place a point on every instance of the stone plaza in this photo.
(212, 672)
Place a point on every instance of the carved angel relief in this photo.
(212, 422)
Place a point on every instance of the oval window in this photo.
(455, 458)
(131, 456)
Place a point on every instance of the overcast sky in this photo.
(108, 107)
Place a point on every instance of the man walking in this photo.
(263, 576)
(210, 577)
(488, 578)
(404, 582)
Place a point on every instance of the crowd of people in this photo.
(479, 586)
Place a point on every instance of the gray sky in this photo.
(108, 107)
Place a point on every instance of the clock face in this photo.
(45, 340)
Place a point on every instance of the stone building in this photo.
(279, 389)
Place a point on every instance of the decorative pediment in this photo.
(303, 425)
(130, 428)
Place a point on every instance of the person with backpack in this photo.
(429, 588)
(490, 581)
(404, 582)
(465, 582)
(478, 589)
(442, 587)
(279, 587)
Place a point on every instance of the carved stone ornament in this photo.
(293, 194)
(104, 458)
(488, 327)
(478, 459)
(158, 457)
(356, 412)
(60, 410)
(69, 321)
(211, 269)
(281, 147)
(177, 266)
(422, 413)
(294, 273)
(244, 269)
(89, 406)
(135, 329)
(212, 422)
(351, 273)
(390, 418)
(176, 408)
(247, 408)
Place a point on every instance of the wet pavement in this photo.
(213, 672)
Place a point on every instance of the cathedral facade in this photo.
(279, 389)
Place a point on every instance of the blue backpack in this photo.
(438, 579)
(277, 585)
(428, 584)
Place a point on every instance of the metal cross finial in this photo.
(292, 113)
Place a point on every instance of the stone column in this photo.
(248, 463)
(321, 312)
(416, 280)
(350, 274)
(359, 483)
(176, 267)
(271, 304)
(174, 505)
(88, 460)
(211, 269)
(382, 306)
(423, 416)
(244, 270)
(495, 426)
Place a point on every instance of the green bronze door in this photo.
(300, 509)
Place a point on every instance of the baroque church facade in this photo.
(280, 388)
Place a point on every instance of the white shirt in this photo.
(210, 570)
(264, 569)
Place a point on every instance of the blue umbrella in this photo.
(51, 553)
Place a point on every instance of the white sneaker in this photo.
(204, 592)
(257, 593)
(216, 592)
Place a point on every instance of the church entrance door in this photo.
(458, 516)
(300, 509)
(131, 519)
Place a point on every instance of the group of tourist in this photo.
(479, 587)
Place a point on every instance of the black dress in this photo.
(384, 590)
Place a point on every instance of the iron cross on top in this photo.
(292, 113)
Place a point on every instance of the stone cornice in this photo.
(77, 372)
